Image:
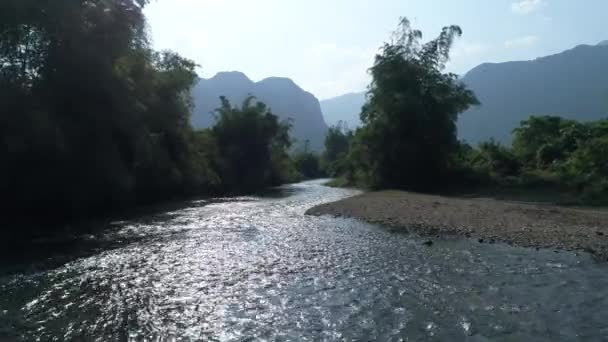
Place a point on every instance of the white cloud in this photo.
(522, 41)
(526, 6)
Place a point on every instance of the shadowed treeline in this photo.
(93, 120)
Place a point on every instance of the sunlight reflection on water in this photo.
(257, 267)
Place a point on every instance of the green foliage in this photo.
(409, 132)
(590, 160)
(251, 139)
(539, 179)
(549, 154)
(308, 165)
(92, 119)
(86, 102)
(493, 158)
(543, 141)
(283, 169)
(337, 147)
(408, 138)
(205, 163)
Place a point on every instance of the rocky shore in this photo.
(487, 220)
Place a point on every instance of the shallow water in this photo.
(257, 268)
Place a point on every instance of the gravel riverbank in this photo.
(488, 220)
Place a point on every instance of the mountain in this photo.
(285, 98)
(572, 84)
(344, 108)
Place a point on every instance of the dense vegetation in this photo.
(92, 119)
(549, 153)
(308, 164)
(552, 159)
(253, 146)
(408, 137)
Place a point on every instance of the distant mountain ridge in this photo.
(572, 84)
(285, 98)
(345, 108)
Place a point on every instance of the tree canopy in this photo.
(91, 116)
(92, 119)
(251, 139)
(337, 147)
(409, 132)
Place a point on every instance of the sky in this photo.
(327, 46)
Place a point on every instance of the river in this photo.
(257, 268)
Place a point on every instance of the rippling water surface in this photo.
(257, 268)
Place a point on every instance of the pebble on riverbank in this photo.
(520, 224)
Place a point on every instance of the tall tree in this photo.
(409, 131)
(90, 116)
(251, 141)
(337, 146)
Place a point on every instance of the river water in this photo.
(257, 268)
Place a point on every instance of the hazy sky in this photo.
(326, 46)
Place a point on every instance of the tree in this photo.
(493, 158)
(91, 118)
(409, 131)
(308, 165)
(337, 147)
(542, 141)
(251, 140)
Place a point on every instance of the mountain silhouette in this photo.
(345, 108)
(285, 98)
(572, 84)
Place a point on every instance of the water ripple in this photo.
(257, 268)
